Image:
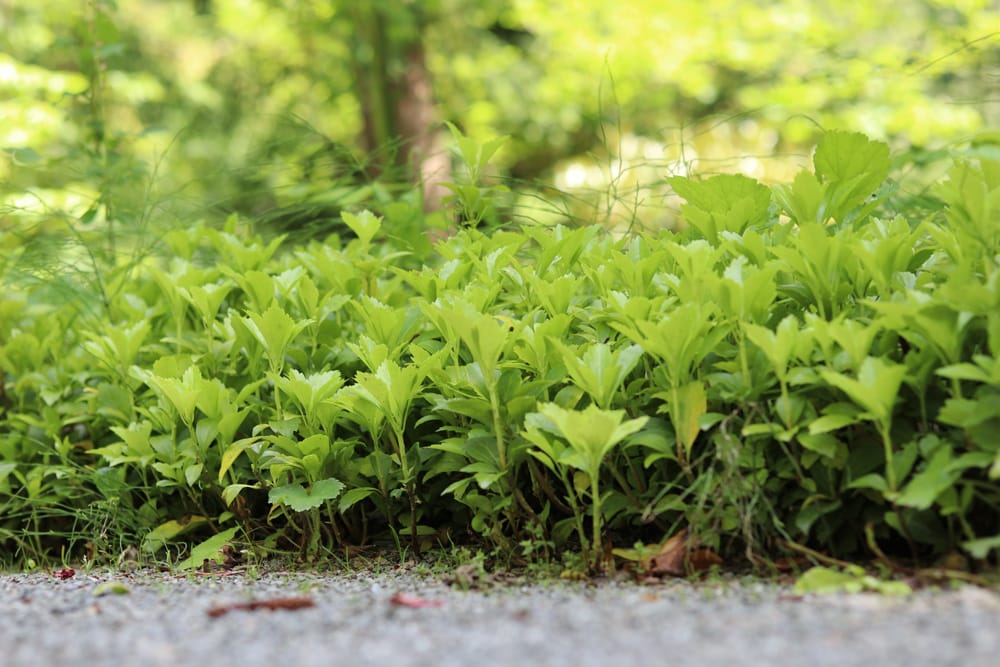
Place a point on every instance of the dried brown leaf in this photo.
(681, 555)
(273, 604)
(670, 559)
(414, 601)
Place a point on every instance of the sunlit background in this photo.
(286, 111)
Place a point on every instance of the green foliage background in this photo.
(252, 105)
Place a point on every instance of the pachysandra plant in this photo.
(799, 344)
(590, 434)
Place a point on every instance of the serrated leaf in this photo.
(301, 499)
(591, 433)
(876, 387)
(364, 224)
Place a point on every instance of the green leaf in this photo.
(847, 156)
(722, 203)
(230, 492)
(599, 371)
(169, 530)
(209, 550)
(803, 200)
(825, 580)
(925, 487)
(688, 406)
(591, 433)
(364, 224)
(354, 496)
(232, 453)
(982, 547)
(274, 329)
(192, 473)
(823, 444)
(831, 422)
(301, 499)
(111, 588)
(875, 389)
(870, 481)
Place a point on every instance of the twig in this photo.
(812, 553)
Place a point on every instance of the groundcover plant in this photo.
(799, 368)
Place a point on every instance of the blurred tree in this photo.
(309, 106)
(396, 94)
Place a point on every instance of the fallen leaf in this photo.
(111, 588)
(670, 559)
(414, 601)
(795, 564)
(702, 559)
(64, 574)
(680, 556)
(273, 604)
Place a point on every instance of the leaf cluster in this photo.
(791, 367)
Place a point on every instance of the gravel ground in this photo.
(357, 619)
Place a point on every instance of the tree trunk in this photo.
(400, 119)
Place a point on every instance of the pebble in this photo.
(359, 619)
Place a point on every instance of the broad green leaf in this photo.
(681, 339)
(274, 329)
(591, 433)
(813, 510)
(364, 224)
(192, 473)
(851, 157)
(722, 203)
(925, 487)
(168, 530)
(780, 346)
(599, 371)
(233, 452)
(111, 588)
(971, 372)
(831, 422)
(183, 394)
(850, 580)
(872, 481)
(207, 299)
(981, 548)
(230, 492)
(137, 437)
(354, 496)
(804, 200)
(875, 389)
(119, 346)
(827, 580)
(969, 413)
(688, 405)
(823, 444)
(301, 499)
(209, 550)
(258, 286)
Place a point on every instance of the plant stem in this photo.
(890, 471)
(596, 523)
(498, 427)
